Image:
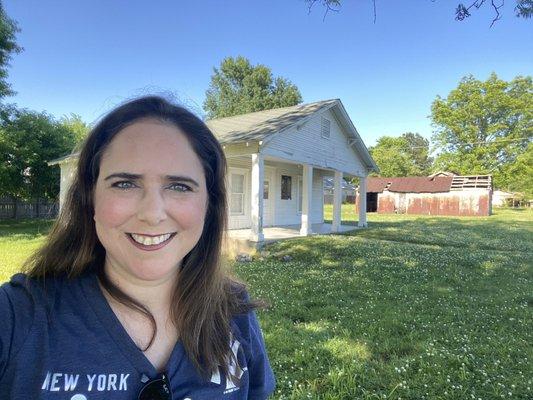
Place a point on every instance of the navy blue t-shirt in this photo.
(63, 342)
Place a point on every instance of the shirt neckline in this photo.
(105, 314)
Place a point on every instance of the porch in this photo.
(238, 240)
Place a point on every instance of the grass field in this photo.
(410, 308)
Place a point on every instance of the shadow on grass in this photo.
(410, 293)
(25, 228)
(481, 235)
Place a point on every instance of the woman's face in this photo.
(150, 201)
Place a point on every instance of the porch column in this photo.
(337, 201)
(258, 172)
(307, 194)
(362, 201)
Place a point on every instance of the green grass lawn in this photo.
(18, 239)
(410, 308)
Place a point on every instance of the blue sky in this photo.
(86, 57)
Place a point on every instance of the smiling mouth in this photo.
(151, 240)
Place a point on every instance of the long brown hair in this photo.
(206, 296)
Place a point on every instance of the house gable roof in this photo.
(259, 125)
(263, 125)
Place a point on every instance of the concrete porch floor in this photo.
(239, 239)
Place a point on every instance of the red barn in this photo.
(438, 194)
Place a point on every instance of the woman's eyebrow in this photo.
(123, 175)
(171, 178)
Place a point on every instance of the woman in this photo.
(128, 298)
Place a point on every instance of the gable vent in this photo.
(325, 128)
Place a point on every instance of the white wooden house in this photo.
(277, 161)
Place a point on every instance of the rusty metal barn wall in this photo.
(460, 203)
(457, 203)
(387, 202)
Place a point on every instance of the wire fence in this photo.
(11, 208)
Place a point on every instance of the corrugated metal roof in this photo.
(260, 124)
(410, 184)
(377, 185)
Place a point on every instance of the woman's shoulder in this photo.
(22, 287)
(17, 307)
(15, 292)
(23, 296)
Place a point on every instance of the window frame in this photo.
(243, 173)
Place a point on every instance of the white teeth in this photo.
(150, 240)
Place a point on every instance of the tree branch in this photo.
(462, 12)
(497, 10)
(524, 8)
(329, 5)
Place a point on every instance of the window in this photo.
(237, 194)
(300, 193)
(325, 128)
(265, 189)
(286, 187)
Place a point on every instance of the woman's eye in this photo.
(123, 185)
(179, 187)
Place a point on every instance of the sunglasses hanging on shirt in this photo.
(155, 389)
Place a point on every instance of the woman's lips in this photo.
(150, 247)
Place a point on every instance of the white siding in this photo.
(285, 211)
(306, 145)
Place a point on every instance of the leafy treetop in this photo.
(28, 141)
(485, 128)
(407, 155)
(8, 47)
(237, 87)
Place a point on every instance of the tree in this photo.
(483, 127)
(523, 8)
(8, 47)
(407, 155)
(76, 125)
(28, 140)
(418, 150)
(519, 175)
(238, 87)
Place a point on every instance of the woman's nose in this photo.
(152, 208)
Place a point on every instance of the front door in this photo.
(267, 199)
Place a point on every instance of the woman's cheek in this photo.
(190, 213)
(112, 211)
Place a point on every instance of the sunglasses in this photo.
(156, 389)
